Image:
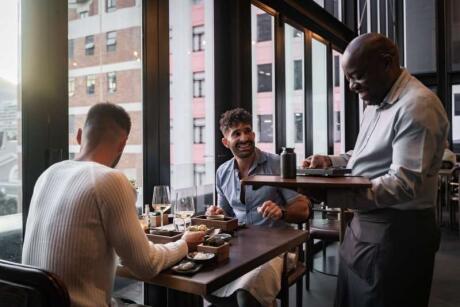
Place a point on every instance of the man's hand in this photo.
(214, 210)
(270, 210)
(317, 161)
(193, 238)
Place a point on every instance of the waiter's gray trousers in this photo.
(387, 258)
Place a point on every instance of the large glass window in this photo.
(454, 16)
(319, 87)
(420, 34)
(295, 97)
(338, 112)
(191, 97)
(456, 117)
(110, 74)
(10, 135)
(263, 65)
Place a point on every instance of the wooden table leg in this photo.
(179, 298)
(155, 295)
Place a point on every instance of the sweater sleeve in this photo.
(116, 201)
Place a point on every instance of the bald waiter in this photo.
(387, 256)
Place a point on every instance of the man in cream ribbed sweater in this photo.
(82, 214)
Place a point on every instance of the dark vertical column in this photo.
(44, 90)
(444, 86)
(308, 115)
(383, 16)
(399, 29)
(232, 63)
(280, 85)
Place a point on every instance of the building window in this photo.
(112, 82)
(90, 85)
(298, 121)
(337, 70)
(265, 128)
(264, 78)
(298, 76)
(111, 5)
(199, 126)
(457, 104)
(71, 123)
(84, 14)
(89, 45)
(111, 38)
(70, 48)
(71, 87)
(198, 84)
(264, 27)
(198, 38)
(297, 33)
(199, 172)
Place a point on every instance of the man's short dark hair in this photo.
(234, 117)
(103, 119)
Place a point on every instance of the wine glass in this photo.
(183, 210)
(161, 200)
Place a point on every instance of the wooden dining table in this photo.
(335, 191)
(250, 247)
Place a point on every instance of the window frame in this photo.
(90, 45)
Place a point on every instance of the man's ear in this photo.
(225, 142)
(79, 135)
(122, 144)
(387, 61)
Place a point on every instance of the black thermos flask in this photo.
(288, 163)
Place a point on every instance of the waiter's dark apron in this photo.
(387, 258)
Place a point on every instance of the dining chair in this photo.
(289, 277)
(28, 286)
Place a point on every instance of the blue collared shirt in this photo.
(229, 189)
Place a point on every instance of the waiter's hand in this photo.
(270, 210)
(214, 210)
(317, 161)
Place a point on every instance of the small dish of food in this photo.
(201, 227)
(223, 236)
(187, 267)
(200, 256)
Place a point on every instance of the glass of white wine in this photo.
(161, 200)
(183, 210)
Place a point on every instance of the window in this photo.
(71, 87)
(454, 41)
(199, 173)
(319, 89)
(10, 134)
(111, 82)
(199, 126)
(198, 84)
(455, 120)
(198, 38)
(265, 128)
(111, 5)
(264, 78)
(298, 75)
(111, 38)
(294, 96)
(89, 45)
(338, 98)
(298, 121)
(263, 92)
(191, 100)
(70, 46)
(420, 34)
(264, 27)
(84, 14)
(90, 85)
(457, 104)
(72, 126)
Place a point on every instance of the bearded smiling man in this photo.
(267, 206)
(387, 256)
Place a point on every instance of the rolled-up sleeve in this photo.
(222, 201)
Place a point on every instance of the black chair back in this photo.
(27, 286)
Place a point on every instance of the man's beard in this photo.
(243, 154)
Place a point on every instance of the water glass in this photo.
(183, 210)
